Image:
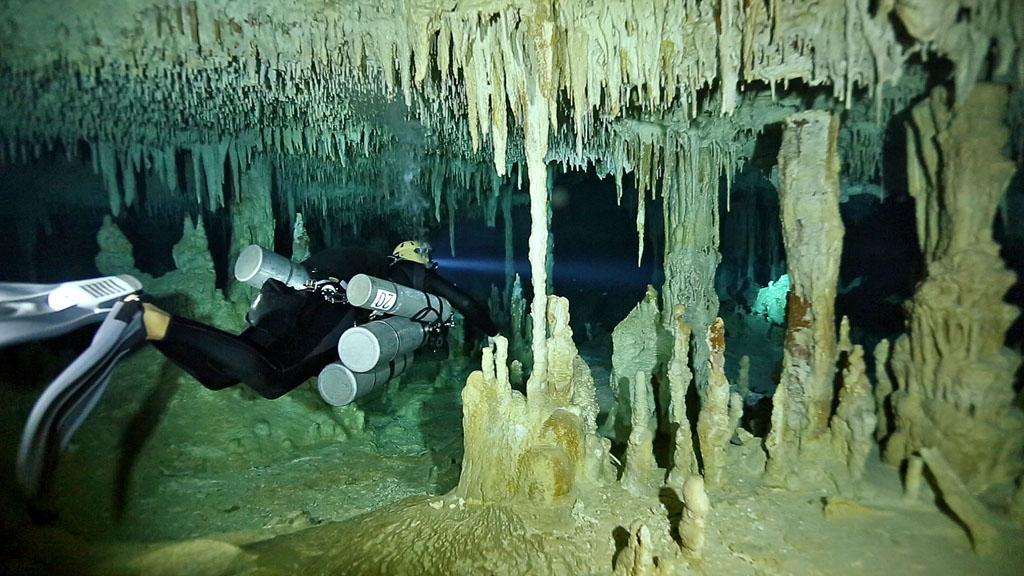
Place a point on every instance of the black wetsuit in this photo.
(299, 335)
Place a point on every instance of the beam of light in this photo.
(483, 265)
(582, 273)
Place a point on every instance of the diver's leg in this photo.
(209, 374)
(215, 357)
(156, 321)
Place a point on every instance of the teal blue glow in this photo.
(771, 300)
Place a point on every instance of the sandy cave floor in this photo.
(279, 487)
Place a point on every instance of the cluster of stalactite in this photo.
(338, 83)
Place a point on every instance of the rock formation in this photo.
(813, 236)
(539, 446)
(716, 425)
(694, 521)
(639, 465)
(684, 460)
(634, 349)
(853, 424)
(954, 377)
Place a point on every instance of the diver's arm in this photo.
(476, 313)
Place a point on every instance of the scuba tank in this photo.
(340, 386)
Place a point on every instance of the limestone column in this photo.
(536, 126)
(812, 232)
(954, 377)
(691, 217)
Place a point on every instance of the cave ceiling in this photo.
(354, 101)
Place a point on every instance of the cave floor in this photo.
(228, 484)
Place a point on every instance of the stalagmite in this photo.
(536, 448)
(715, 427)
(883, 388)
(853, 425)
(813, 235)
(684, 460)
(636, 475)
(696, 506)
(912, 479)
(743, 386)
(954, 377)
(634, 349)
(637, 559)
(519, 325)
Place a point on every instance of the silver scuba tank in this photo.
(397, 300)
(255, 265)
(365, 348)
(339, 386)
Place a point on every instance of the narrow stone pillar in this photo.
(684, 460)
(690, 188)
(812, 232)
(640, 447)
(536, 128)
(715, 426)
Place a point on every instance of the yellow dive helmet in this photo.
(413, 250)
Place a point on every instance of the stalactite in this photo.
(105, 164)
(300, 88)
(506, 213)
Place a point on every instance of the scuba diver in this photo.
(294, 333)
(350, 314)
